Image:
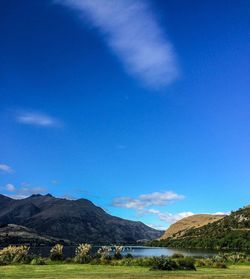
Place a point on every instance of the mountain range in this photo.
(74, 220)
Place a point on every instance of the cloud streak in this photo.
(22, 192)
(146, 200)
(10, 187)
(169, 217)
(131, 30)
(37, 119)
(5, 168)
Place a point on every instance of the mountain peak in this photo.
(77, 220)
(35, 195)
(41, 196)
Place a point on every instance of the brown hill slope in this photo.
(195, 221)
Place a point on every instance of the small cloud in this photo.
(133, 33)
(221, 213)
(10, 187)
(24, 191)
(157, 227)
(169, 217)
(5, 168)
(146, 200)
(37, 119)
(68, 197)
(55, 182)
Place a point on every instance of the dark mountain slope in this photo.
(76, 220)
(15, 234)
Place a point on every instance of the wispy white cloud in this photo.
(37, 119)
(169, 217)
(132, 31)
(221, 213)
(10, 187)
(146, 200)
(5, 168)
(22, 192)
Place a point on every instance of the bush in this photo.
(13, 254)
(128, 256)
(68, 260)
(219, 265)
(186, 263)
(167, 263)
(104, 251)
(38, 261)
(95, 261)
(104, 254)
(106, 259)
(164, 263)
(81, 253)
(234, 257)
(200, 263)
(126, 262)
(56, 252)
(215, 262)
(117, 252)
(177, 256)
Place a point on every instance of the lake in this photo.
(136, 251)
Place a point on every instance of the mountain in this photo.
(15, 234)
(76, 220)
(195, 221)
(230, 232)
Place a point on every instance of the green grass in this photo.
(70, 271)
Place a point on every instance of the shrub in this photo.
(234, 257)
(127, 262)
(104, 254)
(164, 263)
(128, 256)
(177, 256)
(68, 260)
(104, 251)
(13, 254)
(38, 261)
(200, 263)
(219, 265)
(56, 252)
(106, 259)
(215, 262)
(81, 253)
(117, 252)
(186, 263)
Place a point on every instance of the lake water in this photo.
(136, 251)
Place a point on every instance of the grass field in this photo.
(71, 271)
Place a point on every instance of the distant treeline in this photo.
(234, 240)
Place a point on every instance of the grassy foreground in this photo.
(87, 271)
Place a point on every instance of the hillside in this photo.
(195, 221)
(230, 232)
(76, 220)
(15, 234)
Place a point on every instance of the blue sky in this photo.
(142, 107)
